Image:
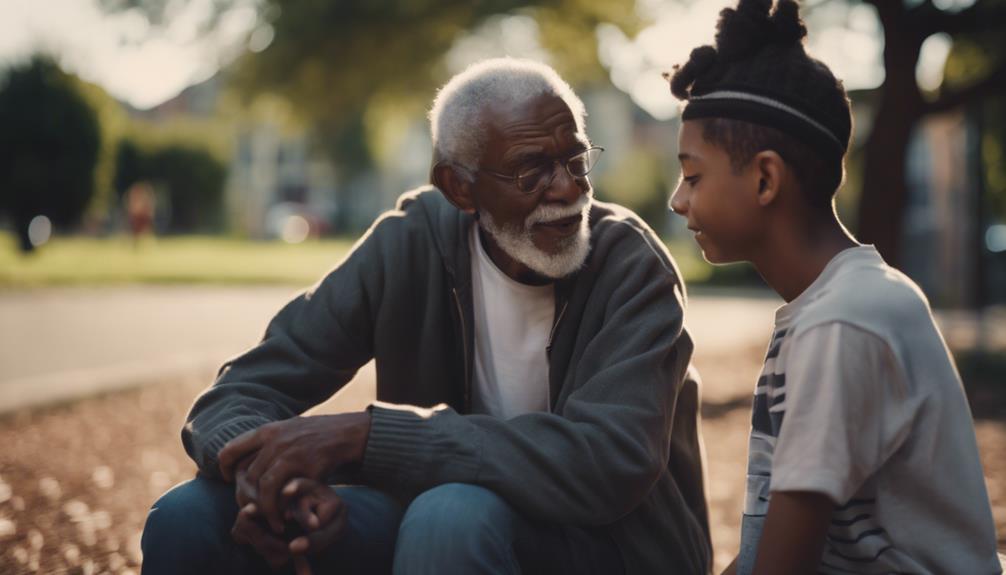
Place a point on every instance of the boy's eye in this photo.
(690, 180)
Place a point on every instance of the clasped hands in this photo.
(286, 511)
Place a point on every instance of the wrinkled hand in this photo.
(303, 447)
(250, 529)
(315, 518)
(244, 491)
(319, 512)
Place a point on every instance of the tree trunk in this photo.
(21, 225)
(884, 190)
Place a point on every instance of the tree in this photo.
(49, 146)
(332, 59)
(902, 104)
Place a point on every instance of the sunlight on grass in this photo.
(202, 259)
(192, 259)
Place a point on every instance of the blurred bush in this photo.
(49, 146)
(189, 178)
(640, 182)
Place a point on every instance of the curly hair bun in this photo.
(759, 72)
(752, 25)
(701, 60)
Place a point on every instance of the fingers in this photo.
(301, 565)
(237, 449)
(269, 484)
(245, 491)
(300, 504)
(329, 508)
(248, 530)
(330, 531)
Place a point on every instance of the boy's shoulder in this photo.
(863, 291)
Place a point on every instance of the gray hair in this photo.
(457, 119)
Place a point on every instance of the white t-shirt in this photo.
(859, 400)
(512, 326)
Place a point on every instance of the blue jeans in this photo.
(452, 528)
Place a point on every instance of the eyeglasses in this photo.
(537, 178)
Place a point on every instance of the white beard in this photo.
(518, 244)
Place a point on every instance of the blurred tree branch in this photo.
(902, 104)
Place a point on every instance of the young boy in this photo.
(862, 455)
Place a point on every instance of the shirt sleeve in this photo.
(845, 411)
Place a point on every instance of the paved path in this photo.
(62, 343)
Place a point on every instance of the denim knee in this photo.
(458, 527)
(189, 527)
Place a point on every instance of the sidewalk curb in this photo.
(71, 385)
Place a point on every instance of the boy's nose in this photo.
(678, 202)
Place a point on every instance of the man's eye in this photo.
(532, 176)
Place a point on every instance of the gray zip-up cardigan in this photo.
(619, 447)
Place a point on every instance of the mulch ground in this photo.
(76, 480)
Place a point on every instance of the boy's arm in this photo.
(792, 540)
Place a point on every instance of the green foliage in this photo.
(639, 182)
(333, 59)
(319, 47)
(973, 57)
(49, 146)
(195, 183)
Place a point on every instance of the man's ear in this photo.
(455, 187)
(770, 170)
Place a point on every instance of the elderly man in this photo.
(534, 414)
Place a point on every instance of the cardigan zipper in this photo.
(548, 352)
(464, 343)
(551, 334)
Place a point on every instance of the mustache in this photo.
(552, 212)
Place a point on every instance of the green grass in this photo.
(75, 260)
(174, 260)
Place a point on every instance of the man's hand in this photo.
(250, 529)
(309, 447)
(244, 491)
(320, 513)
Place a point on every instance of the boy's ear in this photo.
(456, 188)
(770, 169)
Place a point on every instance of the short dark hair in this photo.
(742, 140)
(757, 89)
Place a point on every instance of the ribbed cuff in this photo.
(414, 448)
(211, 448)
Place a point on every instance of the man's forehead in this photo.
(544, 110)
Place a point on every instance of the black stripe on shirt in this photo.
(855, 503)
(855, 559)
(848, 522)
(858, 538)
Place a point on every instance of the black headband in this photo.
(749, 106)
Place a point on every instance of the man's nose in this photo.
(564, 187)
